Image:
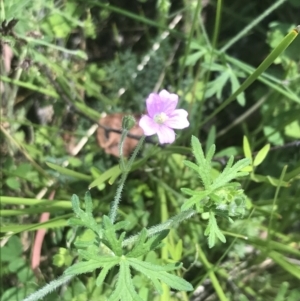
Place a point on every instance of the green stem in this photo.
(251, 25)
(187, 48)
(217, 25)
(117, 199)
(244, 116)
(29, 86)
(212, 275)
(171, 222)
(273, 205)
(197, 106)
(288, 39)
(164, 251)
(212, 48)
(121, 144)
(164, 216)
(133, 16)
(47, 289)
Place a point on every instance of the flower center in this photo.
(160, 118)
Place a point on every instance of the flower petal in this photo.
(153, 104)
(164, 94)
(163, 102)
(149, 126)
(170, 101)
(165, 134)
(178, 119)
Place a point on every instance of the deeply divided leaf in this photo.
(155, 272)
(230, 173)
(110, 237)
(143, 245)
(75, 205)
(88, 202)
(204, 166)
(124, 289)
(213, 231)
(88, 266)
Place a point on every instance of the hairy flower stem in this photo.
(125, 170)
(122, 159)
(50, 287)
(170, 223)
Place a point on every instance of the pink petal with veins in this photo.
(178, 119)
(157, 104)
(165, 135)
(149, 126)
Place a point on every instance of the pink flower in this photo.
(163, 117)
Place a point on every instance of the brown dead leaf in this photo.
(109, 140)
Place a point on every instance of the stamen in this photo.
(160, 118)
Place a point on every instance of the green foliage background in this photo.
(79, 59)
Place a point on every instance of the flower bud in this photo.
(128, 122)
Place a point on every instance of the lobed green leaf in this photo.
(88, 202)
(110, 237)
(212, 231)
(143, 246)
(204, 166)
(155, 272)
(124, 288)
(191, 165)
(91, 265)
